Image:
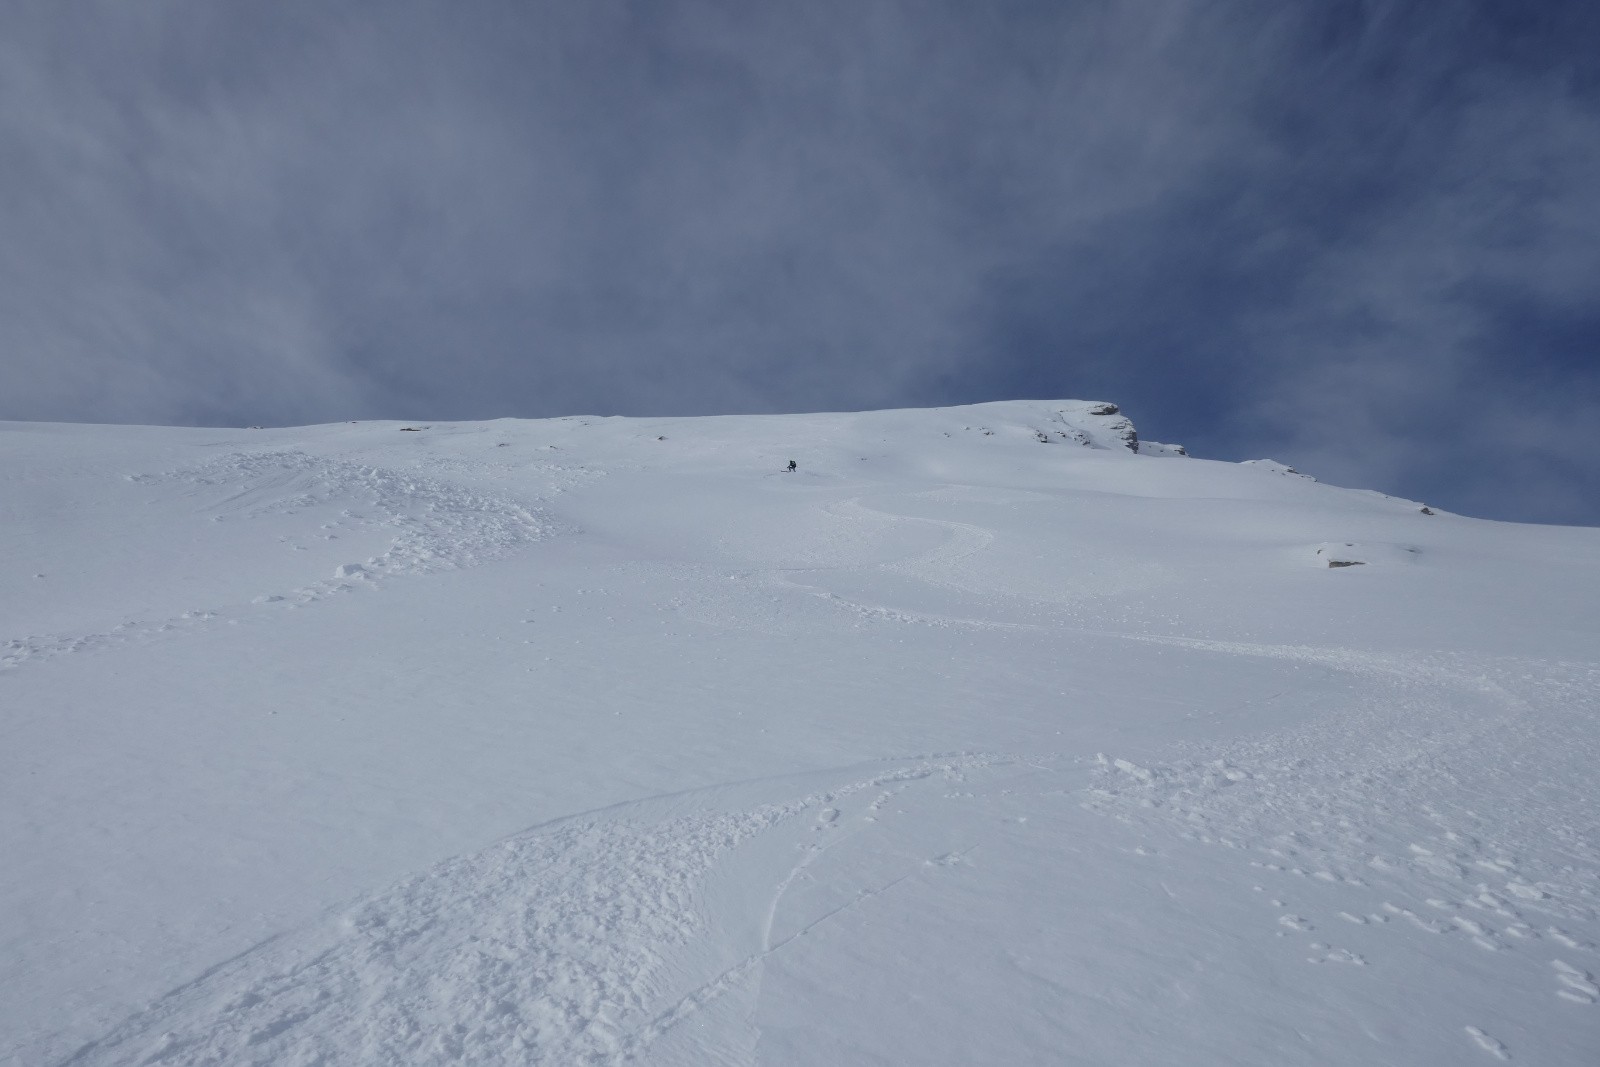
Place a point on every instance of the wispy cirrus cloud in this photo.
(1336, 233)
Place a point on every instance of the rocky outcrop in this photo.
(1104, 420)
(1276, 468)
(1095, 424)
(1334, 554)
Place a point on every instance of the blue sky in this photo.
(1359, 237)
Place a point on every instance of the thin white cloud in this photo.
(298, 212)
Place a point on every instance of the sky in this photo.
(1361, 237)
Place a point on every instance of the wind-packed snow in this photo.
(988, 735)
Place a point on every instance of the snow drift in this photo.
(987, 734)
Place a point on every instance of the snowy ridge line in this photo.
(434, 526)
(572, 942)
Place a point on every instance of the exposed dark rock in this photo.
(1276, 467)
(1336, 562)
(1123, 428)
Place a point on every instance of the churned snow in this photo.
(988, 735)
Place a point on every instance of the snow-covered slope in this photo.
(988, 735)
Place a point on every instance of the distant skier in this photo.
(792, 464)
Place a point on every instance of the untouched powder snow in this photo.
(988, 735)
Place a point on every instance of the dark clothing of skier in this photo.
(792, 464)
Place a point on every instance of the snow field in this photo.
(605, 741)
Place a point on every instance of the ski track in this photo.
(434, 526)
(1414, 815)
(882, 613)
(940, 565)
(943, 566)
(583, 941)
(571, 943)
(937, 566)
(1334, 804)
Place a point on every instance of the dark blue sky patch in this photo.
(1333, 233)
